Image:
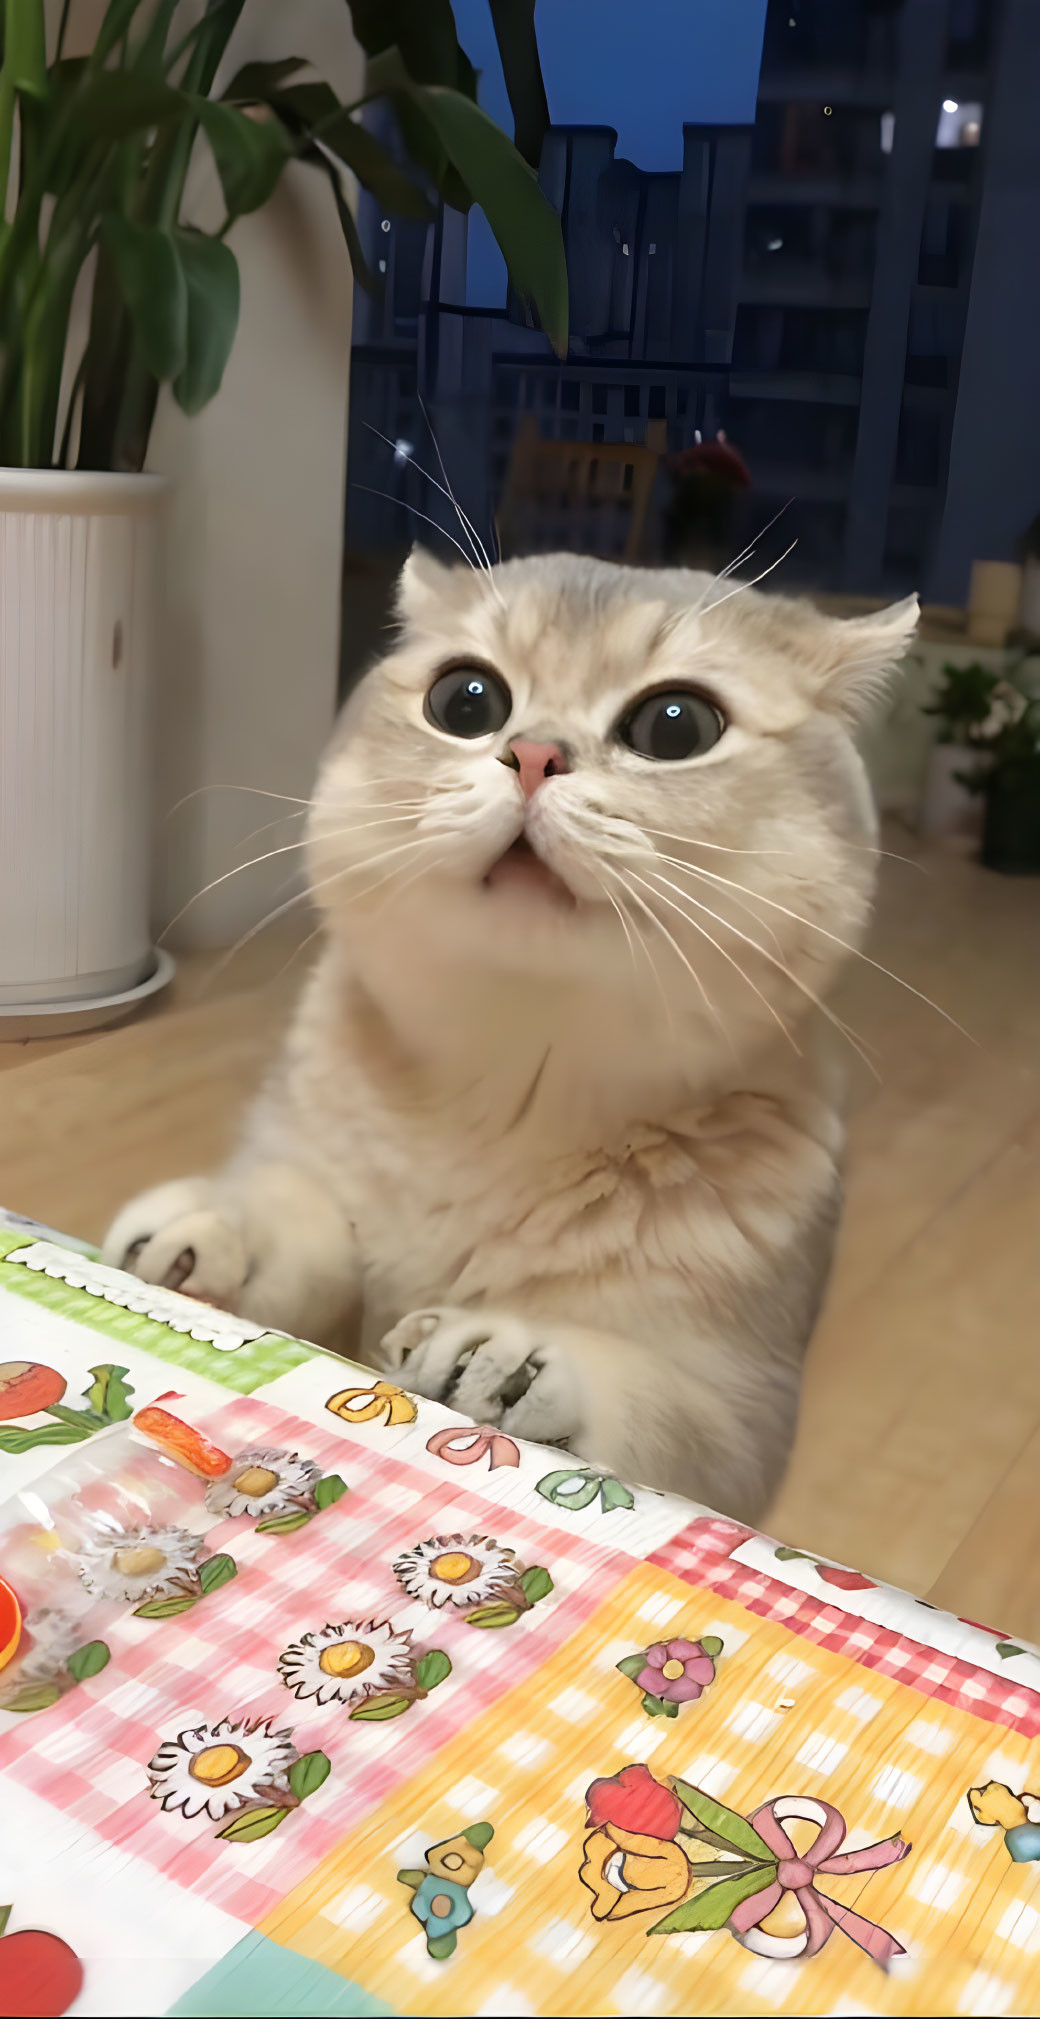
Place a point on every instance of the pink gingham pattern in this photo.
(701, 1555)
(88, 1754)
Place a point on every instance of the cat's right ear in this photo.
(422, 586)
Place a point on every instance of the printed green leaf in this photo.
(34, 1697)
(5, 1915)
(18, 1438)
(88, 1660)
(308, 1774)
(441, 1946)
(412, 1878)
(656, 1707)
(713, 1907)
(432, 1668)
(552, 1488)
(217, 1570)
(613, 1494)
(632, 1666)
(536, 1584)
(1006, 1648)
(86, 1420)
(724, 1825)
(284, 1524)
(712, 1645)
(254, 1823)
(479, 1835)
(108, 1393)
(164, 1608)
(492, 1615)
(376, 1709)
(793, 1555)
(329, 1490)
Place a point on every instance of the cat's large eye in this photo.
(670, 726)
(468, 701)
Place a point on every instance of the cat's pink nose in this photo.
(536, 762)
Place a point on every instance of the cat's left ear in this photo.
(863, 653)
(422, 585)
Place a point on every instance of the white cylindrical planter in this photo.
(78, 587)
(948, 810)
(993, 601)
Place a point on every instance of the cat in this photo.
(556, 1135)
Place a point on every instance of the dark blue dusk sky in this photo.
(642, 66)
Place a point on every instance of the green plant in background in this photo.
(964, 702)
(94, 157)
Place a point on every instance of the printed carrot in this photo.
(10, 1623)
(181, 1442)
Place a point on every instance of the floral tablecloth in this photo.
(327, 1701)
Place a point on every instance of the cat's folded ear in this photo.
(853, 659)
(422, 585)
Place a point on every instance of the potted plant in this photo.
(1007, 775)
(108, 292)
(962, 707)
(707, 481)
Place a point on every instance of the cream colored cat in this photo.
(556, 1133)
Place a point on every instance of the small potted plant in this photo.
(707, 481)
(962, 708)
(1007, 776)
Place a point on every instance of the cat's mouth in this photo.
(522, 869)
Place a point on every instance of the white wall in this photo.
(255, 535)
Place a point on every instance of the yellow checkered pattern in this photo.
(783, 1717)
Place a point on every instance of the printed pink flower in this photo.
(676, 1671)
(634, 1800)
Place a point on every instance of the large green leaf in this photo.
(109, 1392)
(250, 1824)
(425, 35)
(254, 83)
(713, 1907)
(513, 22)
(113, 104)
(308, 1774)
(211, 274)
(24, 53)
(250, 154)
(88, 1660)
(17, 1438)
(152, 284)
(521, 217)
(366, 157)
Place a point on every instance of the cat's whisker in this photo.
(299, 897)
(746, 554)
(464, 518)
(718, 847)
(755, 579)
(802, 987)
(774, 1013)
(484, 575)
(677, 862)
(260, 791)
(477, 547)
(646, 947)
(287, 848)
(713, 876)
(627, 879)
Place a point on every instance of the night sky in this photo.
(642, 66)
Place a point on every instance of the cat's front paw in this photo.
(175, 1236)
(488, 1365)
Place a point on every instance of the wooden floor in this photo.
(918, 1457)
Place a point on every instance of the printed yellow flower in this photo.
(627, 1873)
(132, 1564)
(217, 1768)
(343, 1663)
(457, 1570)
(263, 1482)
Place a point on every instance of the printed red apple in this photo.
(26, 1386)
(846, 1580)
(39, 1974)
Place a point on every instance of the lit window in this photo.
(888, 132)
(960, 124)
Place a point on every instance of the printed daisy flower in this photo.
(263, 1482)
(343, 1663)
(140, 1563)
(217, 1768)
(457, 1569)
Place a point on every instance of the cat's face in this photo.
(510, 782)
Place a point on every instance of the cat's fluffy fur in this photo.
(573, 1166)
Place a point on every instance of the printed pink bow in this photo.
(798, 1875)
(459, 1445)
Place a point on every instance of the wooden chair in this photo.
(587, 497)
